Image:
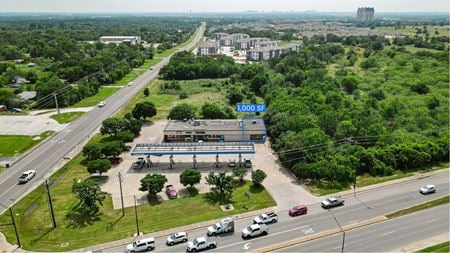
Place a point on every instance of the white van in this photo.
(146, 244)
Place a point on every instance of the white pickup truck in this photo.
(200, 244)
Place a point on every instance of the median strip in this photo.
(423, 206)
(330, 232)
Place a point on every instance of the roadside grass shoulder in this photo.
(66, 117)
(423, 206)
(442, 247)
(17, 144)
(325, 188)
(104, 93)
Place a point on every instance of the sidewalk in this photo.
(414, 247)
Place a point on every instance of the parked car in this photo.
(101, 104)
(130, 83)
(332, 202)
(146, 244)
(265, 218)
(16, 110)
(115, 160)
(177, 238)
(255, 230)
(428, 189)
(297, 210)
(171, 192)
(200, 244)
(232, 163)
(247, 163)
(27, 176)
(139, 164)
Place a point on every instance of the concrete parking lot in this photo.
(279, 182)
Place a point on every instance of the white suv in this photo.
(146, 244)
(265, 218)
(427, 189)
(27, 176)
(255, 230)
(177, 238)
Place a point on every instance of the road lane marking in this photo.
(433, 220)
(247, 245)
(263, 237)
(388, 233)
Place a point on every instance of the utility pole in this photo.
(121, 194)
(15, 227)
(136, 214)
(56, 102)
(52, 213)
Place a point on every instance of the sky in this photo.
(220, 5)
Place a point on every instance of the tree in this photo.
(212, 111)
(182, 111)
(258, 177)
(112, 148)
(98, 166)
(113, 126)
(240, 173)
(89, 194)
(146, 92)
(349, 84)
(144, 110)
(125, 136)
(92, 151)
(153, 183)
(235, 95)
(190, 177)
(222, 184)
(420, 88)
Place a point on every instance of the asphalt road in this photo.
(385, 236)
(48, 155)
(366, 205)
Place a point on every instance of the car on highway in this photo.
(264, 218)
(177, 238)
(142, 245)
(101, 104)
(200, 244)
(27, 176)
(428, 189)
(255, 230)
(297, 210)
(332, 202)
(171, 192)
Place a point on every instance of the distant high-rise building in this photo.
(365, 14)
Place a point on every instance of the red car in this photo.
(297, 210)
(171, 192)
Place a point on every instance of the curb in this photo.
(321, 235)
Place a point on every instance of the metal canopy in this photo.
(193, 148)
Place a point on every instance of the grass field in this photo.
(423, 206)
(104, 93)
(67, 117)
(34, 224)
(442, 247)
(16, 144)
(198, 95)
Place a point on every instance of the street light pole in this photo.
(52, 213)
(15, 227)
(136, 214)
(342, 230)
(121, 194)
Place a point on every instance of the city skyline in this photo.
(146, 6)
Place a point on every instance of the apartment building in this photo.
(209, 47)
(132, 40)
(266, 53)
(365, 14)
(248, 43)
(228, 40)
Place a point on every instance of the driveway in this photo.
(279, 182)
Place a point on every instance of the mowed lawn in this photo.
(33, 217)
(442, 247)
(67, 117)
(104, 93)
(16, 144)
